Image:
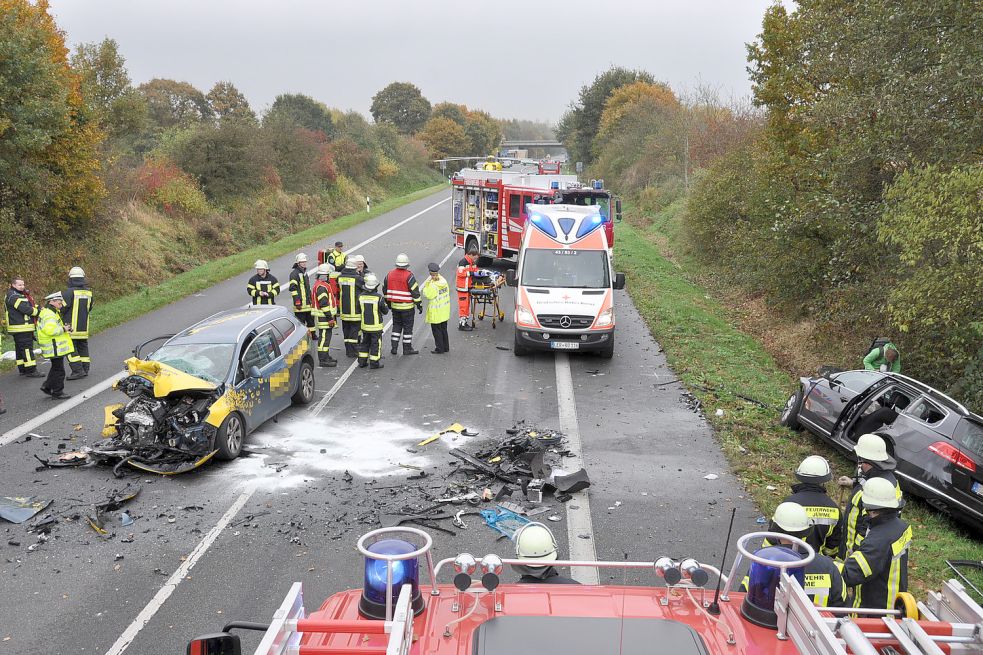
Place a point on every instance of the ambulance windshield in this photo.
(571, 269)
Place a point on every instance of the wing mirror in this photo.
(218, 644)
(619, 280)
(617, 209)
(510, 279)
(138, 350)
(254, 372)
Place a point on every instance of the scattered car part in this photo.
(17, 509)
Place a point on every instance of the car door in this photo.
(921, 446)
(829, 396)
(254, 393)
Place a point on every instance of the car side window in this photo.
(970, 435)
(927, 411)
(260, 352)
(284, 327)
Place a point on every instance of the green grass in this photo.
(716, 362)
(126, 308)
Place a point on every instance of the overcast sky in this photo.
(522, 59)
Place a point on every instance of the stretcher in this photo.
(484, 288)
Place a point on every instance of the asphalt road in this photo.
(225, 543)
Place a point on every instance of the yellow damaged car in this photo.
(199, 393)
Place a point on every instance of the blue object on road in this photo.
(503, 520)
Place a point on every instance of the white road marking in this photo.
(579, 519)
(78, 399)
(182, 571)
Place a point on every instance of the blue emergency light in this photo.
(759, 603)
(588, 225)
(554, 184)
(544, 224)
(404, 571)
(598, 184)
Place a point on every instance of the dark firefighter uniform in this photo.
(19, 314)
(465, 269)
(823, 582)
(349, 286)
(878, 568)
(372, 308)
(855, 518)
(300, 291)
(823, 513)
(324, 311)
(75, 314)
(403, 295)
(257, 285)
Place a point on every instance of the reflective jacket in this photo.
(465, 269)
(823, 512)
(855, 518)
(438, 295)
(19, 312)
(323, 308)
(879, 567)
(337, 259)
(348, 290)
(300, 290)
(78, 304)
(372, 308)
(51, 334)
(400, 289)
(269, 284)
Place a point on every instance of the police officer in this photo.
(372, 307)
(438, 295)
(465, 270)
(403, 295)
(337, 256)
(75, 315)
(55, 344)
(324, 314)
(300, 291)
(878, 568)
(873, 462)
(20, 313)
(810, 492)
(534, 541)
(263, 287)
(349, 286)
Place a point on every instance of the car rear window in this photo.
(969, 433)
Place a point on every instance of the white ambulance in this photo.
(565, 282)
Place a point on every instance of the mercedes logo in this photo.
(565, 321)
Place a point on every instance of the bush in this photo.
(180, 195)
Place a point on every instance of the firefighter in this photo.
(263, 287)
(438, 295)
(75, 315)
(337, 256)
(349, 285)
(300, 291)
(372, 307)
(324, 311)
(55, 344)
(813, 473)
(465, 269)
(872, 462)
(360, 266)
(403, 296)
(20, 312)
(536, 542)
(878, 568)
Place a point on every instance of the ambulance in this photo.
(564, 282)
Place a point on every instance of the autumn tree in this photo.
(300, 110)
(107, 89)
(227, 160)
(403, 105)
(445, 138)
(229, 104)
(173, 103)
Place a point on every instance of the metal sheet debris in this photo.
(17, 509)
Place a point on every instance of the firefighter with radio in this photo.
(263, 287)
(873, 462)
(56, 344)
(300, 292)
(349, 285)
(20, 312)
(465, 270)
(324, 311)
(372, 307)
(403, 295)
(75, 315)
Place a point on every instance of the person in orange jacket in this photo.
(465, 269)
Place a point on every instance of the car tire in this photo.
(229, 437)
(305, 385)
(790, 414)
(518, 349)
(607, 352)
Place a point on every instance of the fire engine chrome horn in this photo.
(673, 571)
(465, 565)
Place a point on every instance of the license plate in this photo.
(978, 488)
(564, 345)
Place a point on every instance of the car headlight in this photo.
(605, 318)
(523, 315)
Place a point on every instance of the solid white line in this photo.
(165, 592)
(579, 519)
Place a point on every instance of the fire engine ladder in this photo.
(953, 625)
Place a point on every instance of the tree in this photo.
(483, 132)
(107, 89)
(227, 160)
(403, 105)
(300, 110)
(229, 104)
(173, 103)
(48, 142)
(445, 138)
(453, 111)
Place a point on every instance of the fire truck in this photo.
(488, 208)
(549, 167)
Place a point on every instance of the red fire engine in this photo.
(549, 167)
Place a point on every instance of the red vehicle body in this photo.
(488, 208)
(549, 167)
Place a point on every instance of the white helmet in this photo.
(325, 269)
(871, 448)
(535, 541)
(791, 518)
(402, 261)
(814, 469)
(357, 259)
(76, 272)
(261, 263)
(55, 296)
(301, 258)
(880, 494)
(371, 281)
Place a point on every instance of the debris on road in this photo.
(710, 476)
(17, 509)
(503, 521)
(454, 427)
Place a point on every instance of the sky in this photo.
(515, 59)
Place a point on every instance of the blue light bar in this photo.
(554, 184)
(588, 225)
(544, 224)
(598, 184)
(404, 571)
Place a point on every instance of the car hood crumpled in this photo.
(167, 379)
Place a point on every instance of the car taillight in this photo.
(953, 454)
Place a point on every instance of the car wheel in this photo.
(305, 387)
(518, 349)
(229, 438)
(790, 414)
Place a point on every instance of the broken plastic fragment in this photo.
(18, 509)
(710, 476)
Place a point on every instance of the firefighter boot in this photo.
(376, 365)
(408, 349)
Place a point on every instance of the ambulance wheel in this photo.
(305, 386)
(229, 438)
(518, 349)
(607, 352)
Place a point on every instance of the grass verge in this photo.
(724, 367)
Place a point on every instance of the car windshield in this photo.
(969, 433)
(577, 269)
(208, 361)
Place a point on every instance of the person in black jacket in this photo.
(20, 313)
(823, 512)
(263, 287)
(873, 461)
(75, 315)
(300, 292)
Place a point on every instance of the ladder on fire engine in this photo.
(952, 624)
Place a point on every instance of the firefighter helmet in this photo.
(791, 518)
(880, 494)
(51, 297)
(325, 269)
(402, 261)
(535, 541)
(76, 272)
(871, 448)
(371, 282)
(357, 259)
(301, 258)
(261, 264)
(814, 469)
